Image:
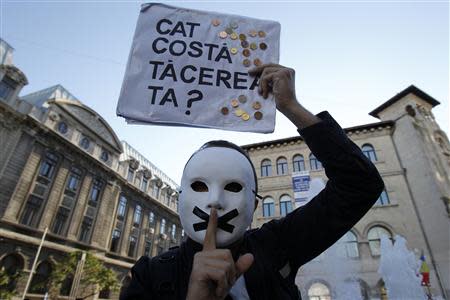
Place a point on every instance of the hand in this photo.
(214, 271)
(280, 81)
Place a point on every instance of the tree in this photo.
(95, 276)
(7, 284)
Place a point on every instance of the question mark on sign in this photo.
(198, 97)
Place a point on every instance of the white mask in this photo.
(213, 177)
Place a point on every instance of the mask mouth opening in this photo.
(222, 221)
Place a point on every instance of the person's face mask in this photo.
(222, 178)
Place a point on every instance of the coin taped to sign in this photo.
(184, 63)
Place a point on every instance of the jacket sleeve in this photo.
(353, 187)
(139, 287)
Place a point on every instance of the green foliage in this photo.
(7, 283)
(94, 274)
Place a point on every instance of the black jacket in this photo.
(281, 246)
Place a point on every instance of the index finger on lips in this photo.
(210, 237)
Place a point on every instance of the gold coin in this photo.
(215, 22)
(224, 110)
(246, 52)
(258, 115)
(234, 36)
(257, 62)
(253, 46)
(242, 37)
(253, 33)
(229, 30)
(234, 103)
(245, 117)
(223, 35)
(261, 34)
(256, 105)
(247, 62)
(239, 112)
(244, 44)
(234, 50)
(234, 25)
(263, 46)
(242, 98)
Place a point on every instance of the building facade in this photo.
(412, 155)
(62, 167)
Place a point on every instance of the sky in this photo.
(349, 57)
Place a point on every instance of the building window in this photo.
(7, 87)
(137, 215)
(369, 151)
(85, 143)
(299, 163)
(173, 231)
(266, 168)
(156, 190)
(383, 199)
(137, 181)
(48, 165)
(162, 227)
(148, 248)
(12, 264)
(268, 207)
(151, 219)
(31, 211)
(285, 205)
(62, 127)
(96, 189)
(85, 230)
(132, 246)
(40, 282)
(348, 245)
(319, 291)
(104, 156)
(144, 184)
(130, 175)
(74, 179)
(314, 162)
(282, 166)
(374, 235)
(60, 220)
(122, 206)
(115, 240)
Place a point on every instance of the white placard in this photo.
(190, 68)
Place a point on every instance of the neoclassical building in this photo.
(412, 154)
(63, 168)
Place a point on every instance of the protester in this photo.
(221, 259)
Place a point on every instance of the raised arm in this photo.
(353, 187)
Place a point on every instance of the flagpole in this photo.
(34, 263)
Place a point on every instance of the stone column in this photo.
(79, 208)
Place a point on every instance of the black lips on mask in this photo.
(222, 221)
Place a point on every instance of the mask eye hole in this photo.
(233, 187)
(199, 186)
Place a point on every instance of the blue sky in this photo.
(349, 58)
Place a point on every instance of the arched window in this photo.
(12, 264)
(122, 206)
(375, 233)
(285, 205)
(266, 168)
(319, 291)
(369, 151)
(137, 215)
(282, 166)
(348, 245)
(299, 163)
(115, 240)
(314, 162)
(173, 232)
(383, 199)
(39, 284)
(268, 207)
(162, 227)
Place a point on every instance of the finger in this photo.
(243, 264)
(258, 70)
(210, 237)
(227, 266)
(265, 85)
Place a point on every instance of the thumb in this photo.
(244, 263)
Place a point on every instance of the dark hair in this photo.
(227, 144)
